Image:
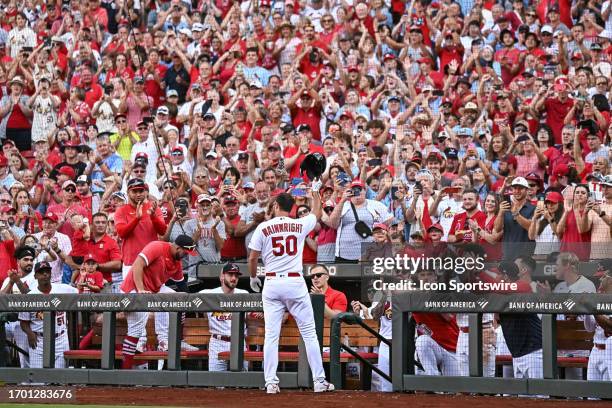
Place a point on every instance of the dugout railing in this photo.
(175, 304)
(548, 305)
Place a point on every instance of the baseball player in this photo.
(157, 263)
(220, 323)
(280, 242)
(600, 359)
(436, 344)
(19, 282)
(32, 322)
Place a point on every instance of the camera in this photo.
(181, 208)
(355, 191)
(374, 162)
(419, 186)
(108, 89)
(394, 191)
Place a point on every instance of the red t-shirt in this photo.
(335, 299)
(137, 233)
(105, 250)
(234, 247)
(7, 260)
(309, 256)
(290, 152)
(160, 267)
(556, 112)
(80, 247)
(94, 279)
(460, 222)
(573, 241)
(443, 331)
(17, 120)
(311, 117)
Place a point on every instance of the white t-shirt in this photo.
(36, 318)
(582, 285)
(281, 242)
(221, 322)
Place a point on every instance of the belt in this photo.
(221, 337)
(466, 329)
(56, 334)
(600, 346)
(283, 275)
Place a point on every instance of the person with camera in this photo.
(106, 109)
(44, 106)
(420, 209)
(354, 218)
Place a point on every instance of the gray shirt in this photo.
(247, 216)
(207, 248)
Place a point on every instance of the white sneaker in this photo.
(272, 389)
(162, 345)
(323, 386)
(188, 347)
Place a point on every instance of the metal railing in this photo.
(336, 345)
(174, 304)
(403, 343)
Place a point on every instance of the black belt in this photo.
(221, 337)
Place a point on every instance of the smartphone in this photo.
(343, 178)
(394, 191)
(296, 180)
(227, 182)
(298, 192)
(438, 92)
(452, 190)
(508, 199)
(418, 185)
(374, 162)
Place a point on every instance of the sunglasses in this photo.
(168, 187)
(532, 185)
(142, 128)
(317, 275)
(70, 190)
(177, 153)
(602, 84)
(122, 121)
(5, 201)
(303, 213)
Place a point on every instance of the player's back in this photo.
(281, 242)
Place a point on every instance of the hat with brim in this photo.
(17, 80)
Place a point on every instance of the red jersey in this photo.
(234, 247)
(460, 223)
(105, 250)
(555, 115)
(160, 267)
(94, 279)
(335, 299)
(137, 233)
(7, 260)
(444, 332)
(311, 117)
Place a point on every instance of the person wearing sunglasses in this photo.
(125, 138)
(335, 301)
(103, 162)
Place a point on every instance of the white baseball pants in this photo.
(290, 294)
(435, 359)
(61, 345)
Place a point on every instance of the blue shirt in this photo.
(115, 164)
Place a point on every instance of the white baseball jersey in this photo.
(36, 318)
(27, 280)
(281, 242)
(220, 322)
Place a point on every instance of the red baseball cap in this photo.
(6, 208)
(436, 226)
(554, 197)
(380, 225)
(357, 183)
(90, 257)
(51, 216)
(560, 170)
(67, 171)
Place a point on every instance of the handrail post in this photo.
(335, 368)
(549, 346)
(49, 339)
(175, 330)
(475, 344)
(403, 348)
(109, 323)
(237, 342)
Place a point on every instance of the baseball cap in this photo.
(163, 110)
(243, 156)
(249, 184)
(451, 153)
(185, 31)
(68, 183)
(67, 171)
(186, 242)
(546, 29)
(256, 84)
(357, 183)
(42, 266)
(470, 106)
(8, 141)
(138, 80)
(446, 101)
(274, 146)
(554, 197)
(82, 179)
(119, 195)
(141, 155)
(170, 93)
(211, 154)
(380, 225)
(520, 182)
(303, 127)
(51, 216)
(136, 183)
(231, 268)
(229, 199)
(90, 257)
(7, 208)
(204, 197)
(435, 226)
(560, 170)
(197, 27)
(24, 251)
(435, 156)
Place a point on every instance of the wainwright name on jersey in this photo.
(281, 242)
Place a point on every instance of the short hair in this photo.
(285, 201)
(568, 258)
(528, 261)
(315, 266)
(470, 191)
(100, 214)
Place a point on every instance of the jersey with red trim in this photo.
(160, 266)
(444, 332)
(281, 242)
